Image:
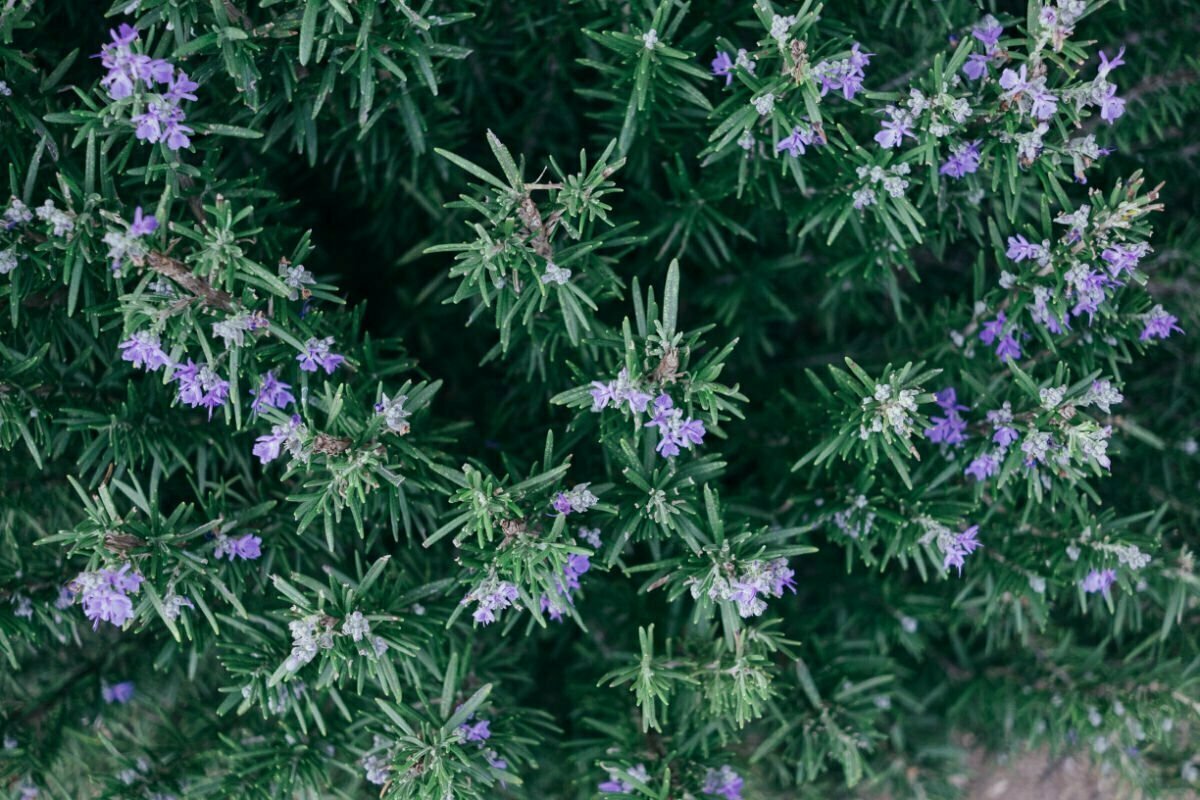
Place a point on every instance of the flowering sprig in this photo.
(151, 85)
(104, 594)
(954, 546)
(879, 416)
(491, 596)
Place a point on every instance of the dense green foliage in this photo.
(497, 204)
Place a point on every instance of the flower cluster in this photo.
(289, 436)
(940, 114)
(950, 429)
(358, 628)
(855, 521)
(233, 330)
(61, 222)
(491, 596)
(130, 73)
(555, 605)
(577, 500)
(16, 214)
(1003, 435)
(246, 548)
(318, 354)
(310, 635)
(1028, 93)
(999, 332)
(200, 386)
(802, 137)
(394, 414)
(888, 412)
(297, 279)
(1158, 324)
(844, 75)
(757, 580)
(377, 765)
(620, 391)
(675, 431)
(1099, 581)
(963, 160)
(1056, 22)
(144, 350)
(1100, 92)
(105, 594)
(271, 393)
(893, 180)
(128, 244)
(591, 536)
(723, 782)
(555, 274)
(955, 547)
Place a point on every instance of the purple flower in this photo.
(991, 330)
(124, 67)
(120, 693)
(1159, 324)
(722, 65)
(576, 566)
(1044, 103)
(845, 75)
(1107, 66)
(947, 430)
(603, 394)
(491, 597)
(163, 122)
(200, 386)
(1099, 581)
(976, 66)
(795, 143)
(1005, 436)
(144, 349)
(959, 547)
(578, 500)
(894, 130)
(476, 732)
(104, 594)
(271, 393)
(1124, 258)
(1041, 102)
(1021, 249)
(947, 400)
(268, 446)
(983, 467)
(675, 431)
(180, 87)
(1111, 106)
(723, 782)
(1009, 348)
(950, 429)
(779, 576)
(964, 160)
(317, 354)
(988, 31)
(247, 548)
(142, 225)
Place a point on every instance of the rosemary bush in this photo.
(492, 399)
